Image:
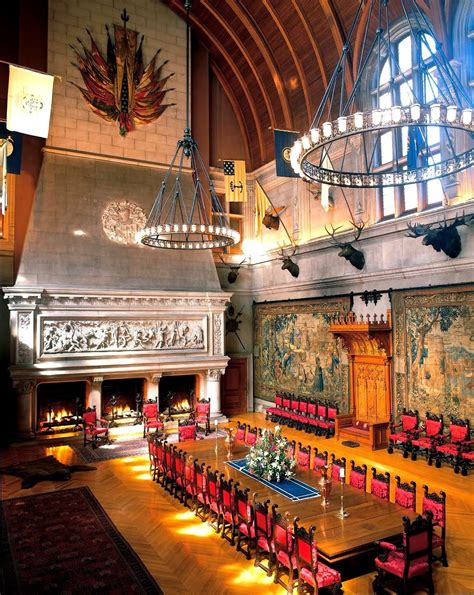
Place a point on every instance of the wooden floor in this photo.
(186, 556)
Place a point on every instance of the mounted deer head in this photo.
(354, 256)
(288, 264)
(444, 238)
(234, 269)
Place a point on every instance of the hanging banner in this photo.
(235, 181)
(284, 140)
(261, 205)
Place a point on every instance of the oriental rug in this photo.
(64, 542)
(293, 489)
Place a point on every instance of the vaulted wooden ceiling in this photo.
(274, 58)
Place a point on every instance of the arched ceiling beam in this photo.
(256, 35)
(301, 74)
(238, 42)
(338, 34)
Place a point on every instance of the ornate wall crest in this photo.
(121, 221)
(119, 87)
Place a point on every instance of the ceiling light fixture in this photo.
(187, 214)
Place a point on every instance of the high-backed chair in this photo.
(214, 498)
(402, 433)
(336, 466)
(202, 415)
(425, 445)
(405, 494)
(179, 464)
(412, 559)
(358, 476)
(186, 429)
(240, 432)
(291, 448)
(189, 483)
(245, 523)
(168, 468)
(264, 549)
(96, 430)
(228, 513)
(283, 544)
(152, 420)
(303, 457)
(434, 505)
(251, 436)
(328, 424)
(459, 437)
(380, 485)
(320, 459)
(311, 416)
(201, 500)
(310, 570)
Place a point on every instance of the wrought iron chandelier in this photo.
(187, 218)
(422, 106)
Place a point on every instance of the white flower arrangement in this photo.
(269, 459)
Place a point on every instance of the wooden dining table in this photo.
(348, 543)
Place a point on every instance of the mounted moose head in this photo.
(288, 264)
(354, 256)
(234, 270)
(444, 238)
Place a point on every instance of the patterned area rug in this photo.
(127, 446)
(44, 469)
(64, 542)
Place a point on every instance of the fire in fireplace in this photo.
(59, 406)
(177, 394)
(121, 398)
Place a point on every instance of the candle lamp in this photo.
(342, 514)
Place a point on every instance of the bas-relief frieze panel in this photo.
(297, 353)
(85, 336)
(434, 346)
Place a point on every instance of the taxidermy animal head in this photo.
(443, 238)
(347, 250)
(288, 264)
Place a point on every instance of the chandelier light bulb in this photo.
(396, 114)
(359, 119)
(451, 113)
(342, 124)
(314, 132)
(376, 117)
(327, 129)
(435, 112)
(305, 142)
(466, 117)
(415, 112)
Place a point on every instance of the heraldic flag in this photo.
(261, 205)
(284, 140)
(30, 96)
(235, 181)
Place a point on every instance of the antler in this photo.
(417, 229)
(332, 234)
(358, 227)
(463, 220)
(282, 251)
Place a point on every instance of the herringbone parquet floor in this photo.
(186, 556)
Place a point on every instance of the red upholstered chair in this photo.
(228, 514)
(311, 416)
(405, 494)
(425, 445)
(412, 559)
(214, 499)
(320, 459)
(303, 413)
(358, 476)
(465, 460)
(310, 570)
(168, 468)
(244, 521)
(96, 430)
(152, 420)
(240, 432)
(201, 500)
(251, 436)
(459, 438)
(291, 448)
(321, 414)
(189, 483)
(434, 505)
(202, 415)
(336, 466)
(401, 434)
(263, 536)
(155, 462)
(303, 457)
(380, 485)
(283, 544)
(186, 429)
(328, 424)
(286, 409)
(274, 412)
(294, 411)
(179, 465)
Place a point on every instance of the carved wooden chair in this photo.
(274, 412)
(412, 559)
(186, 429)
(401, 434)
(303, 457)
(240, 432)
(380, 485)
(152, 420)
(328, 424)
(96, 430)
(303, 413)
(155, 454)
(189, 483)
(283, 544)
(245, 521)
(336, 466)
(311, 571)
(201, 499)
(251, 436)
(434, 505)
(291, 448)
(405, 494)
(311, 416)
(465, 460)
(459, 438)
(168, 468)
(320, 459)
(214, 499)
(321, 415)
(286, 409)
(228, 509)
(179, 465)
(294, 411)
(264, 549)
(426, 445)
(358, 476)
(202, 415)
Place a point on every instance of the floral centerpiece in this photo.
(269, 457)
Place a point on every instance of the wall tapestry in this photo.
(296, 352)
(434, 351)
(119, 87)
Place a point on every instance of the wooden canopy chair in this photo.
(186, 429)
(228, 514)
(358, 476)
(434, 505)
(320, 459)
(412, 559)
(405, 494)
(264, 549)
(202, 415)
(283, 545)
(96, 430)
(401, 434)
(311, 571)
(380, 485)
(426, 445)
(152, 420)
(459, 437)
(336, 466)
(245, 521)
(303, 457)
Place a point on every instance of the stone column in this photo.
(213, 391)
(152, 388)
(25, 391)
(95, 394)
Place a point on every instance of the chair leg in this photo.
(444, 557)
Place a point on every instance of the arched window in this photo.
(403, 80)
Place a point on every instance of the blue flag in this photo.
(284, 140)
(416, 144)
